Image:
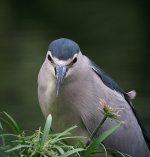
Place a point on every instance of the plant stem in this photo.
(97, 129)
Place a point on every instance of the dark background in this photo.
(115, 34)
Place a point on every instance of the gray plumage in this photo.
(76, 102)
(63, 48)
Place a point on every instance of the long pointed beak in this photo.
(60, 72)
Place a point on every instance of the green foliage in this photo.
(45, 143)
(5, 117)
(40, 143)
(90, 149)
(46, 130)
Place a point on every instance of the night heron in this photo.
(70, 86)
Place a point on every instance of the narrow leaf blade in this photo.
(100, 139)
(46, 129)
(71, 152)
(13, 123)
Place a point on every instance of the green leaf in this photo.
(105, 151)
(9, 135)
(71, 152)
(61, 151)
(46, 129)
(63, 133)
(17, 147)
(100, 139)
(80, 142)
(64, 138)
(13, 123)
(1, 128)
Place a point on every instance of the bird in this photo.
(70, 86)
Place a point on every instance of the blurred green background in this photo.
(114, 34)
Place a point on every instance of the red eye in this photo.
(50, 58)
(74, 60)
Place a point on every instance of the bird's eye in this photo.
(50, 58)
(74, 60)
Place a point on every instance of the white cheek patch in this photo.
(61, 62)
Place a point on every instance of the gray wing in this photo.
(109, 82)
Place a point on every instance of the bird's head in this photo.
(61, 58)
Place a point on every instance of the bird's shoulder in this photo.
(110, 83)
(107, 80)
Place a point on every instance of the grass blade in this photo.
(63, 133)
(13, 123)
(61, 151)
(71, 152)
(46, 129)
(100, 139)
(17, 147)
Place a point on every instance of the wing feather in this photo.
(109, 82)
